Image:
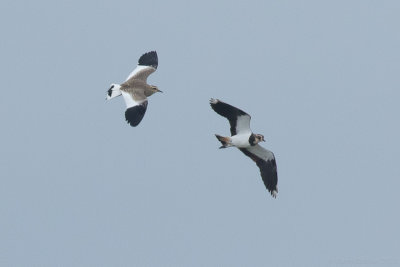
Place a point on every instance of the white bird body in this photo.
(240, 140)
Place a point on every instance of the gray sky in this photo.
(79, 187)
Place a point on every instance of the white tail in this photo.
(113, 91)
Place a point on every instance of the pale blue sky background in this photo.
(79, 187)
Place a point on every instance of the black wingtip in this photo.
(149, 59)
(268, 171)
(213, 101)
(135, 114)
(269, 176)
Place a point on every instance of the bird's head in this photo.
(155, 89)
(259, 138)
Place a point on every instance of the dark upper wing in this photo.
(238, 119)
(265, 161)
(135, 114)
(136, 105)
(149, 59)
(147, 64)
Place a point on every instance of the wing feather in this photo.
(265, 161)
(135, 108)
(147, 64)
(238, 119)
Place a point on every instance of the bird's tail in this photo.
(113, 91)
(225, 141)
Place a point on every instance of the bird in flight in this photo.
(135, 89)
(246, 141)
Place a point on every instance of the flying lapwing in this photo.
(246, 141)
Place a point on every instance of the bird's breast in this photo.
(241, 140)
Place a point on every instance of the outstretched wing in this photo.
(136, 105)
(238, 119)
(265, 160)
(147, 64)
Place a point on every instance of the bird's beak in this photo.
(158, 90)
